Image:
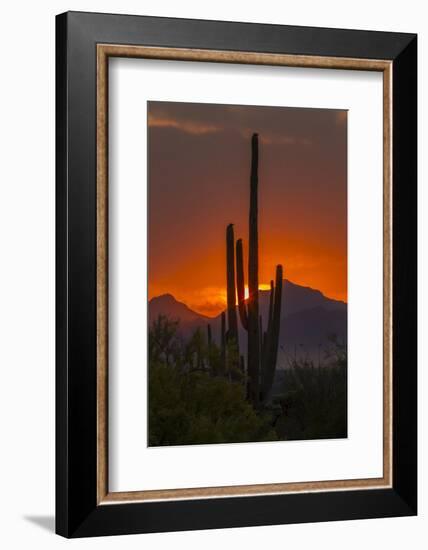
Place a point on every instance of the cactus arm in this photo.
(276, 320)
(232, 319)
(209, 335)
(240, 283)
(273, 337)
(267, 337)
(271, 297)
(223, 341)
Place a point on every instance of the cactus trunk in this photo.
(253, 279)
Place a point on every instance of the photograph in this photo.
(247, 273)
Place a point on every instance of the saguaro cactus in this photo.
(253, 278)
(262, 347)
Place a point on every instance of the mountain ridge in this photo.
(168, 301)
(308, 320)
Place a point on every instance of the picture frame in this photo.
(84, 44)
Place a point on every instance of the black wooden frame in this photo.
(77, 513)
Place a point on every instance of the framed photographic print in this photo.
(236, 274)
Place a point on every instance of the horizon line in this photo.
(194, 310)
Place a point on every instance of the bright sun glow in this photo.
(262, 286)
(222, 296)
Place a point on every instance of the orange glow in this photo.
(198, 184)
(306, 264)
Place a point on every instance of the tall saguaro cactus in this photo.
(253, 278)
(262, 347)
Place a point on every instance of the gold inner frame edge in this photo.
(104, 51)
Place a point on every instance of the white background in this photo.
(132, 465)
(27, 274)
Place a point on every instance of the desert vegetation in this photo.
(197, 398)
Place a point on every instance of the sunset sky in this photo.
(199, 167)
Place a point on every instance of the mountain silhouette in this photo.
(170, 307)
(308, 321)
